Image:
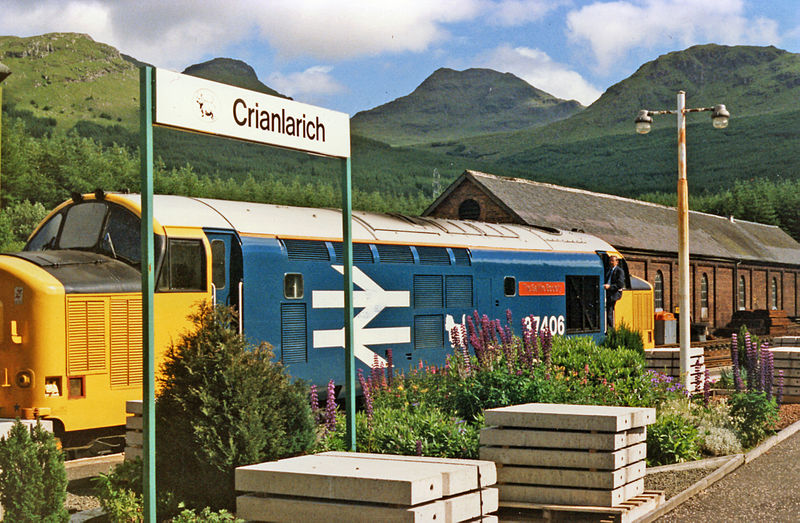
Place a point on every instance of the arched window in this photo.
(773, 296)
(742, 295)
(704, 296)
(658, 291)
(469, 210)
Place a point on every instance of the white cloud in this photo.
(612, 29)
(345, 29)
(519, 12)
(308, 86)
(177, 32)
(539, 70)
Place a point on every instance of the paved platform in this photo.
(764, 489)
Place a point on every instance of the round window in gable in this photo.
(469, 210)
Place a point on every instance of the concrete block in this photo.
(565, 458)
(570, 496)
(787, 382)
(343, 478)
(467, 474)
(561, 439)
(133, 452)
(607, 480)
(788, 391)
(134, 407)
(786, 364)
(786, 353)
(7, 423)
(672, 352)
(463, 507)
(134, 438)
(291, 510)
(570, 417)
(134, 423)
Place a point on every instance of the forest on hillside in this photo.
(41, 168)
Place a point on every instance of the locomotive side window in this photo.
(293, 286)
(46, 237)
(82, 226)
(218, 270)
(510, 286)
(184, 266)
(122, 237)
(583, 304)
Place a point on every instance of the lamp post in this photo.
(719, 118)
(4, 72)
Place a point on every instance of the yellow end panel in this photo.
(87, 329)
(126, 341)
(635, 309)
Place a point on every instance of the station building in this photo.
(736, 265)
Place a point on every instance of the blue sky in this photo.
(353, 55)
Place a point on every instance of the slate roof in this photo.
(631, 224)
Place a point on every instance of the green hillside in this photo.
(748, 80)
(69, 77)
(450, 105)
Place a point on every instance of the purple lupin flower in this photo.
(763, 367)
(330, 408)
(770, 372)
(314, 403)
(752, 361)
(389, 366)
(737, 375)
(419, 447)
(780, 387)
(375, 373)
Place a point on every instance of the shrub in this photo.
(672, 439)
(205, 516)
(624, 337)
(754, 415)
(120, 492)
(33, 481)
(223, 403)
(417, 430)
(719, 441)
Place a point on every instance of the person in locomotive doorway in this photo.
(615, 282)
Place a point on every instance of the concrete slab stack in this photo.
(668, 361)
(567, 455)
(133, 430)
(344, 486)
(786, 341)
(787, 359)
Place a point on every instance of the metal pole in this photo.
(683, 242)
(1, 132)
(347, 259)
(148, 363)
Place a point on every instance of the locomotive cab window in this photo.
(184, 266)
(219, 271)
(510, 286)
(293, 286)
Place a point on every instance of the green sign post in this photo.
(187, 103)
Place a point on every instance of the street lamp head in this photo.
(643, 122)
(4, 72)
(720, 116)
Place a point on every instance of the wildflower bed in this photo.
(437, 411)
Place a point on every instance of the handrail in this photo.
(213, 294)
(241, 308)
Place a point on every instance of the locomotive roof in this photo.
(281, 221)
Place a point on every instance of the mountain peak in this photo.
(232, 72)
(452, 104)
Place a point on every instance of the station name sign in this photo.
(195, 104)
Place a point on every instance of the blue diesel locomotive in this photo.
(70, 302)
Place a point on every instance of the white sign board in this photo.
(196, 104)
